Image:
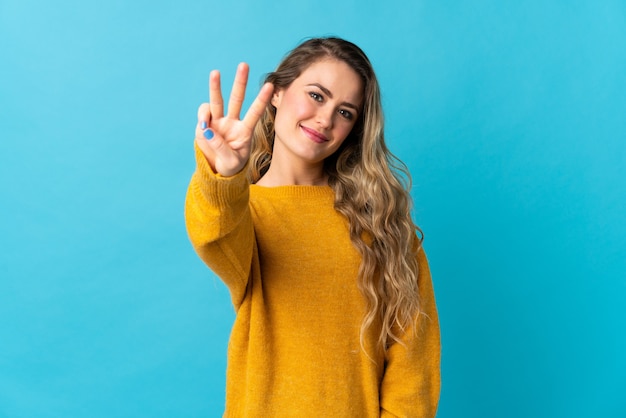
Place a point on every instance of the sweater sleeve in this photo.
(219, 224)
(412, 378)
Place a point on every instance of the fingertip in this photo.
(208, 133)
(204, 112)
(266, 91)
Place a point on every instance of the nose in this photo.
(325, 116)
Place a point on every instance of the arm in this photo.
(219, 225)
(216, 208)
(412, 378)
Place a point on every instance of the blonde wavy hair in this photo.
(371, 190)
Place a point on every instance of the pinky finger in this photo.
(204, 112)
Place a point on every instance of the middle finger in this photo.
(238, 93)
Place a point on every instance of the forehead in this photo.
(336, 76)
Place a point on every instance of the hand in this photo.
(229, 149)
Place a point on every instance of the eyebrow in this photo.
(329, 94)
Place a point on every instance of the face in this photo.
(315, 114)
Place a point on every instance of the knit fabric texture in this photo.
(286, 256)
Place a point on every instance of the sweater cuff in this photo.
(221, 190)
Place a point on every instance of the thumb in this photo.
(204, 120)
(207, 132)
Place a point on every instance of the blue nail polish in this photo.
(208, 134)
(204, 125)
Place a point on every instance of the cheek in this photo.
(297, 105)
(290, 115)
(343, 130)
(302, 109)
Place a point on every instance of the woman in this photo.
(299, 208)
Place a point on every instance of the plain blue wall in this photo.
(510, 117)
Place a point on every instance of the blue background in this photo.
(510, 116)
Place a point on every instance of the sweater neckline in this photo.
(293, 190)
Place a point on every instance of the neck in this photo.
(286, 173)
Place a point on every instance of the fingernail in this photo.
(204, 125)
(208, 134)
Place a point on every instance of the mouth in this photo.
(313, 135)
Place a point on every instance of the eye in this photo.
(316, 96)
(346, 114)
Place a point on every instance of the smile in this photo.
(314, 135)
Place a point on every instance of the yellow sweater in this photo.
(294, 350)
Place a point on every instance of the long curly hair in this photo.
(371, 190)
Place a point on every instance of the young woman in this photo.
(303, 212)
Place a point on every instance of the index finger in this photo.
(258, 106)
(215, 95)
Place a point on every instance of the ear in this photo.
(277, 98)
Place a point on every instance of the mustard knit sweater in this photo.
(294, 351)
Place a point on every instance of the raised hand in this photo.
(228, 149)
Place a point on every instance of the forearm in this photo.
(219, 223)
(412, 378)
